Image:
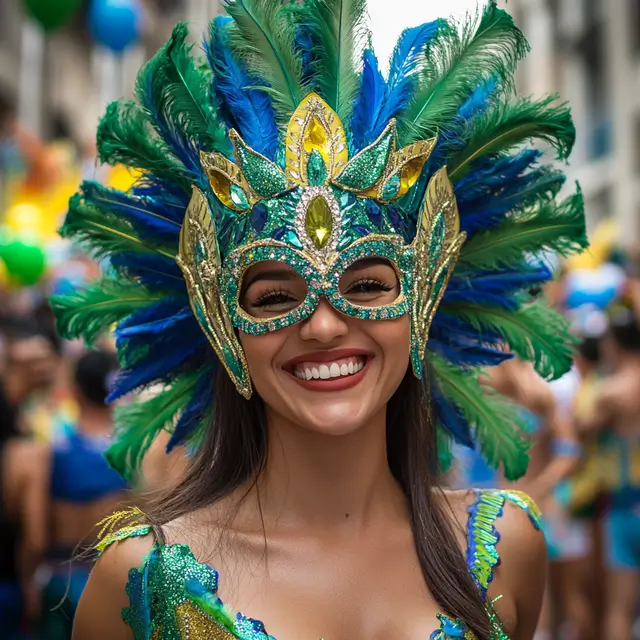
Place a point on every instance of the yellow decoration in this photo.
(315, 126)
(319, 221)
(603, 239)
(222, 174)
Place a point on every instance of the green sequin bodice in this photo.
(174, 597)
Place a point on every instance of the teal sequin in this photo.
(316, 169)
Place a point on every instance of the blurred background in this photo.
(63, 61)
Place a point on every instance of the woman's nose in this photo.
(324, 325)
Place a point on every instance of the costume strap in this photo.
(483, 536)
(121, 525)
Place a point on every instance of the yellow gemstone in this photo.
(319, 221)
(222, 188)
(316, 137)
(410, 174)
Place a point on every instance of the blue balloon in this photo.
(115, 24)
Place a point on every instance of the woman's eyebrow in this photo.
(365, 263)
(274, 274)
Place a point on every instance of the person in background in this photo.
(23, 478)
(615, 414)
(83, 490)
(554, 453)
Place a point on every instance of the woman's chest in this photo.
(343, 593)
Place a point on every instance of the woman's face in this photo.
(330, 373)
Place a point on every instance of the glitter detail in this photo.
(316, 169)
(527, 504)
(265, 177)
(201, 271)
(367, 167)
(435, 251)
(323, 254)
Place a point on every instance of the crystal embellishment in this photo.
(318, 222)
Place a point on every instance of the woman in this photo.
(312, 264)
(82, 488)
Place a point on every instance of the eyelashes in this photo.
(369, 285)
(272, 297)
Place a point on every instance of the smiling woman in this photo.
(315, 264)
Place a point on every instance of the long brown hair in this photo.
(234, 452)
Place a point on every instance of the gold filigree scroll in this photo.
(436, 248)
(200, 262)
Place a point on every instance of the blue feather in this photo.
(477, 295)
(154, 319)
(193, 413)
(508, 281)
(468, 356)
(183, 148)
(159, 365)
(249, 111)
(147, 216)
(404, 70)
(173, 199)
(451, 417)
(154, 271)
(478, 101)
(368, 103)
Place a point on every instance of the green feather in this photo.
(138, 423)
(510, 124)
(456, 62)
(445, 454)
(339, 37)
(550, 227)
(181, 92)
(89, 312)
(90, 222)
(496, 422)
(125, 136)
(264, 37)
(534, 332)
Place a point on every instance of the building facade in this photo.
(589, 52)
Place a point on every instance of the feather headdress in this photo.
(446, 81)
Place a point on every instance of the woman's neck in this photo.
(326, 481)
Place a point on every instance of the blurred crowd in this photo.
(55, 422)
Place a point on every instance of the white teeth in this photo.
(329, 370)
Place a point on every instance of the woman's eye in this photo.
(274, 298)
(368, 286)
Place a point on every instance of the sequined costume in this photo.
(174, 597)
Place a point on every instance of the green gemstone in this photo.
(391, 187)
(265, 178)
(239, 197)
(316, 169)
(366, 168)
(319, 222)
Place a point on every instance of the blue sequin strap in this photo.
(483, 536)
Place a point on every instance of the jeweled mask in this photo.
(320, 214)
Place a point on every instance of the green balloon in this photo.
(52, 14)
(25, 262)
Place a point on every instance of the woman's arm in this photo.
(28, 476)
(99, 614)
(523, 568)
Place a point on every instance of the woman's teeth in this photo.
(329, 370)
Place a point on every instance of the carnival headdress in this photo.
(285, 142)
